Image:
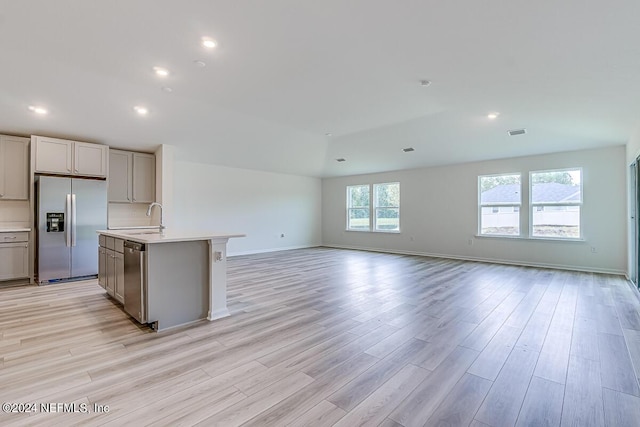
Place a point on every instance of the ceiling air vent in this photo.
(515, 132)
(341, 160)
(408, 149)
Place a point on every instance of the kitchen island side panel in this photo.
(178, 282)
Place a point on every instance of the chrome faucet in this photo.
(162, 227)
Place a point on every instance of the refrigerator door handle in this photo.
(73, 220)
(67, 221)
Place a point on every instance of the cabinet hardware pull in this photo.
(10, 237)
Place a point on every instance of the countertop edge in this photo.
(169, 237)
(14, 230)
(135, 227)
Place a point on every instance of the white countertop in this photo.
(13, 229)
(168, 236)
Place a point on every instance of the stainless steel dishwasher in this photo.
(135, 280)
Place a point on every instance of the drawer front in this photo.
(102, 240)
(21, 236)
(119, 245)
(110, 242)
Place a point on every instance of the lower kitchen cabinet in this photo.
(111, 272)
(118, 287)
(111, 267)
(14, 260)
(14, 256)
(102, 267)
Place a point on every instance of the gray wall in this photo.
(439, 213)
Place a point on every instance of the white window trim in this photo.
(349, 208)
(498, 205)
(372, 209)
(533, 206)
(375, 208)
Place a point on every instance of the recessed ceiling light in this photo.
(162, 72)
(200, 64)
(209, 43)
(328, 134)
(341, 160)
(167, 89)
(425, 83)
(408, 149)
(37, 109)
(143, 111)
(493, 115)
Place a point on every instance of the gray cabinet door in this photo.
(14, 168)
(14, 260)
(102, 267)
(53, 155)
(111, 272)
(90, 159)
(120, 176)
(118, 288)
(144, 178)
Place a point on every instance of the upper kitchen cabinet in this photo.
(90, 159)
(144, 178)
(14, 168)
(59, 156)
(120, 176)
(132, 177)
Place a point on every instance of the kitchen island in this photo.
(181, 275)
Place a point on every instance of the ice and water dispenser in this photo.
(55, 222)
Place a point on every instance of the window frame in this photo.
(498, 205)
(351, 208)
(372, 207)
(375, 207)
(535, 206)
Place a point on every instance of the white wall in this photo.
(439, 213)
(633, 152)
(262, 205)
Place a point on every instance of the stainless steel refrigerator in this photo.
(69, 211)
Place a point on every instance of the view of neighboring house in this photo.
(555, 210)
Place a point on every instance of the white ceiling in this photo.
(286, 72)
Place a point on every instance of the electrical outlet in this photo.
(593, 249)
(470, 242)
(412, 238)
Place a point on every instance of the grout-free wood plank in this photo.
(322, 336)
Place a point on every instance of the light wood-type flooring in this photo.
(322, 337)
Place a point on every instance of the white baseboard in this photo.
(218, 314)
(488, 260)
(263, 251)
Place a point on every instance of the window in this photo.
(358, 208)
(384, 203)
(387, 206)
(556, 202)
(499, 204)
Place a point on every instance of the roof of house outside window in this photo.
(547, 192)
